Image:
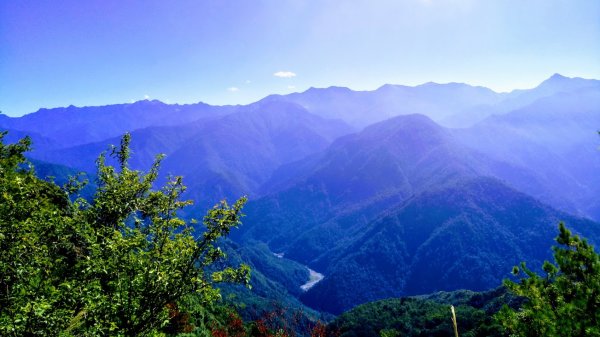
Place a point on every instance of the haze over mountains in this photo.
(397, 191)
(225, 155)
(451, 104)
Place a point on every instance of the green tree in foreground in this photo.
(116, 265)
(565, 301)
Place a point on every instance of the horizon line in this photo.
(167, 101)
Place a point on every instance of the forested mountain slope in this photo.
(358, 177)
(467, 236)
(219, 157)
(426, 315)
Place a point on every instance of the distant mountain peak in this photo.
(419, 128)
(557, 76)
(409, 121)
(386, 86)
(335, 87)
(391, 87)
(436, 84)
(451, 85)
(148, 102)
(556, 79)
(312, 89)
(332, 88)
(429, 84)
(561, 82)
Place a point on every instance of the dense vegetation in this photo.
(563, 302)
(463, 235)
(425, 316)
(120, 264)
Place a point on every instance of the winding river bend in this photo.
(314, 278)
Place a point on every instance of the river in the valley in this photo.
(314, 278)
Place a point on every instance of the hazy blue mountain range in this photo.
(374, 189)
(236, 154)
(39, 142)
(554, 85)
(451, 104)
(73, 126)
(226, 156)
(554, 137)
(361, 108)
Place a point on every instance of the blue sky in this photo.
(57, 53)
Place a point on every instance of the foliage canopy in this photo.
(563, 302)
(118, 264)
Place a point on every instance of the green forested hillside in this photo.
(275, 282)
(469, 235)
(426, 315)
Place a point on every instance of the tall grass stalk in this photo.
(454, 321)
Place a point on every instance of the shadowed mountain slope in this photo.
(466, 236)
(450, 216)
(224, 157)
(236, 154)
(359, 176)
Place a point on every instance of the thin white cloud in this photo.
(291, 87)
(284, 74)
(146, 97)
(248, 81)
(233, 89)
